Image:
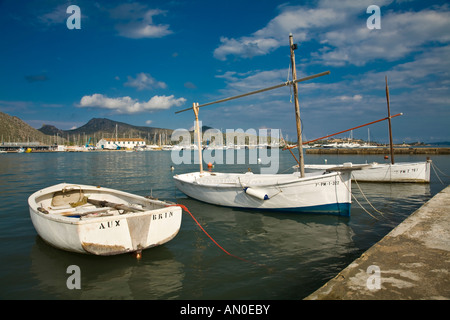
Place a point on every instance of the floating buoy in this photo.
(210, 165)
(259, 194)
(138, 254)
(386, 157)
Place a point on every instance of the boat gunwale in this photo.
(294, 180)
(33, 206)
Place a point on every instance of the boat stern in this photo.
(131, 232)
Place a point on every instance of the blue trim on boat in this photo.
(338, 209)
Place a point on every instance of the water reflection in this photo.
(290, 255)
(283, 249)
(156, 276)
(391, 198)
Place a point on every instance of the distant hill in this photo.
(98, 128)
(51, 130)
(106, 126)
(13, 129)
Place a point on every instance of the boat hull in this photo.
(418, 172)
(114, 234)
(323, 194)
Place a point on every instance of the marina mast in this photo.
(297, 108)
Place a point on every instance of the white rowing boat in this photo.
(386, 172)
(101, 221)
(328, 193)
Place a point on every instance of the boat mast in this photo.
(199, 141)
(334, 134)
(389, 121)
(297, 108)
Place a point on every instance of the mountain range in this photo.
(98, 128)
(13, 129)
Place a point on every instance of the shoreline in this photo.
(409, 263)
(380, 150)
(376, 150)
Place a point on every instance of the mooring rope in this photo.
(215, 242)
(434, 169)
(435, 166)
(353, 196)
(360, 190)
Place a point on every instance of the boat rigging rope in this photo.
(199, 225)
(357, 199)
(434, 169)
(360, 190)
(434, 166)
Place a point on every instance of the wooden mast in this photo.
(389, 121)
(297, 108)
(199, 141)
(294, 82)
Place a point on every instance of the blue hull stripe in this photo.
(339, 209)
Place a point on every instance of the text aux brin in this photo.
(164, 215)
(109, 224)
(116, 223)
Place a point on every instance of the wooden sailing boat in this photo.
(388, 172)
(328, 193)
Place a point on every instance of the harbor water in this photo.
(284, 256)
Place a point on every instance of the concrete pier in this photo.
(412, 262)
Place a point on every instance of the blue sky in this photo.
(140, 61)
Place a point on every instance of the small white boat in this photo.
(101, 221)
(386, 172)
(328, 193)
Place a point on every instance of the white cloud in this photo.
(356, 97)
(339, 27)
(239, 83)
(245, 47)
(401, 34)
(301, 21)
(128, 105)
(57, 16)
(136, 21)
(144, 81)
(190, 85)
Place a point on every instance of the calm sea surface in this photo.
(291, 254)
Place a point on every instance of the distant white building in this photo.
(120, 143)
